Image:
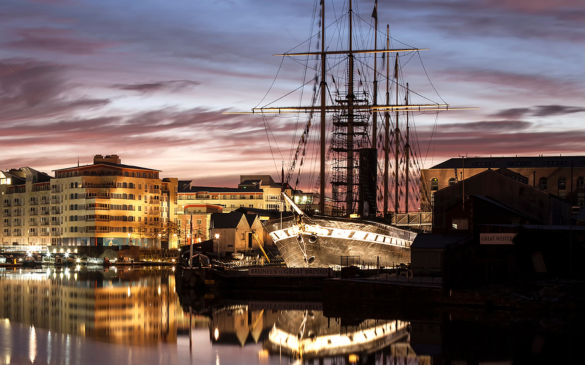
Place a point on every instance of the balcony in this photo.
(56, 211)
(97, 208)
(8, 214)
(7, 224)
(55, 223)
(7, 204)
(56, 190)
(45, 212)
(54, 234)
(33, 234)
(44, 223)
(44, 233)
(44, 201)
(17, 214)
(33, 212)
(55, 201)
(34, 202)
(17, 204)
(34, 223)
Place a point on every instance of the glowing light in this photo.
(128, 291)
(216, 334)
(353, 358)
(32, 350)
(263, 356)
(78, 260)
(217, 236)
(66, 254)
(29, 254)
(159, 291)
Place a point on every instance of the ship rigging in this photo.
(363, 133)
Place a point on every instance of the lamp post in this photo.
(217, 238)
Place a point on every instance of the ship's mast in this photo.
(323, 111)
(407, 152)
(375, 101)
(397, 142)
(387, 124)
(350, 101)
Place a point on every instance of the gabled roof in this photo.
(227, 220)
(250, 218)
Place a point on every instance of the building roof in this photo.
(437, 241)
(213, 189)
(502, 206)
(251, 182)
(110, 165)
(518, 161)
(250, 218)
(226, 220)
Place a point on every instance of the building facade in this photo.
(254, 191)
(102, 204)
(560, 176)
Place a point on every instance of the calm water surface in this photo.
(136, 316)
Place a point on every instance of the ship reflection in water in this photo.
(307, 335)
(80, 316)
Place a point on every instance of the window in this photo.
(542, 183)
(434, 184)
(580, 183)
(562, 183)
(198, 221)
(452, 181)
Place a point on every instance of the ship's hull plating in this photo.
(325, 241)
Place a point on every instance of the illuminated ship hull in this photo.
(309, 335)
(324, 241)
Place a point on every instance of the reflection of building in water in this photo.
(142, 311)
(238, 325)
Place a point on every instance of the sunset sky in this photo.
(148, 80)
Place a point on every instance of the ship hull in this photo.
(326, 242)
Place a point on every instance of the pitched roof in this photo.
(226, 220)
(108, 164)
(250, 218)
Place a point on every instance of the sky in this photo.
(148, 80)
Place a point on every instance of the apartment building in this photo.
(105, 203)
(254, 191)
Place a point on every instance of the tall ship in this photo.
(368, 169)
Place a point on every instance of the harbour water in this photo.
(137, 316)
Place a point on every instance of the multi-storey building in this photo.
(102, 204)
(254, 191)
(29, 214)
(563, 176)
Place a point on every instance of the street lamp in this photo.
(217, 238)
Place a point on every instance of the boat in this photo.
(321, 241)
(358, 227)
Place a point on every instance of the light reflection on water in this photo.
(136, 317)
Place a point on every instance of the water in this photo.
(84, 316)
